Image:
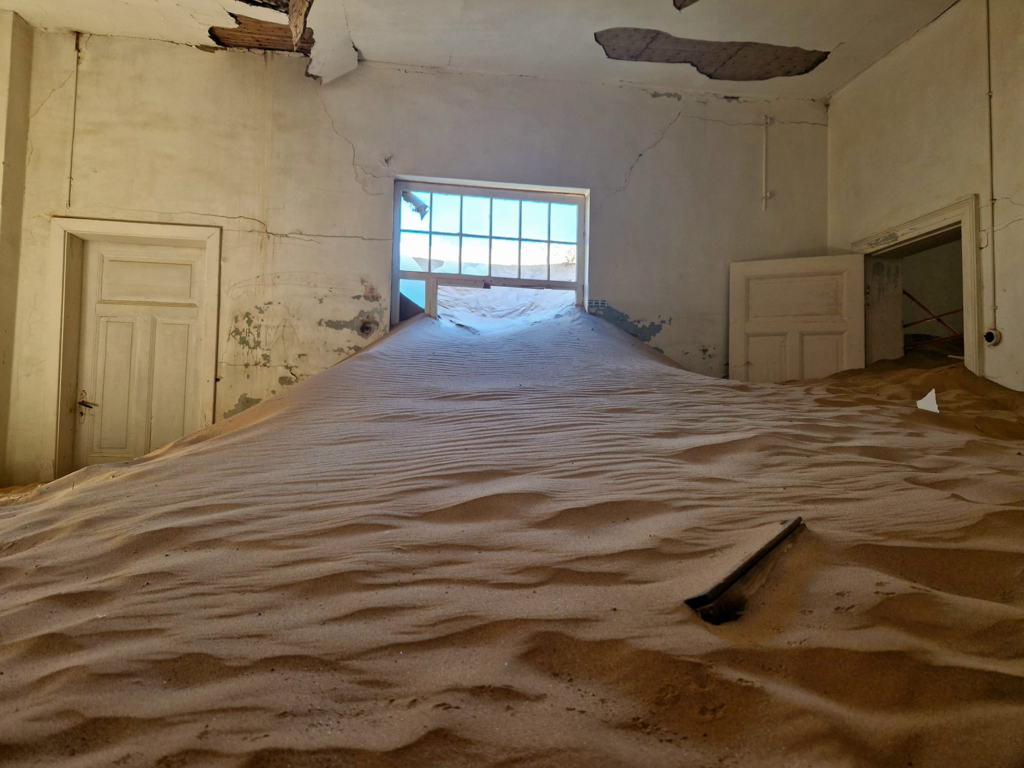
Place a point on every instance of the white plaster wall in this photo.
(1007, 360)
(15, 74)
(935, 279)
(910, 135)
(300, 176)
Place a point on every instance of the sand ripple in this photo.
(470, 549)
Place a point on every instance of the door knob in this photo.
(84, 404)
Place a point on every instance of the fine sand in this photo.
(468, 546)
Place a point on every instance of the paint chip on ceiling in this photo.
(262, 35)
(273, 5)
(735, 61)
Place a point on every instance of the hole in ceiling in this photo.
(716, 60)
(277, 5)
(262, 35)
(679, 4)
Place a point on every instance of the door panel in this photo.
(143, 281)
(822, 354)
(138, 367)
(767, 356)
(770, 297)
(796, 318)
(170, 382)
(117, 342)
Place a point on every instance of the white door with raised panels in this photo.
(795, 319)
(139, 370)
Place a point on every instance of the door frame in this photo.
(963, 214)
(67, 240)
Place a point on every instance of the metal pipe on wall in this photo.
(991, 334)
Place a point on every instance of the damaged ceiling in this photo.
(718, 60)
(792, 48)
(253, 33)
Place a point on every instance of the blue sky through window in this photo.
(478, 235)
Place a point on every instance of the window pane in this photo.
(535, 220)
(474, 255)
(444, 255)
(446, 213)
(505, 258)
(476, 216)
(506, 218)
(413, 251)
(563, 261)
(416, 211)
(415, 291)
(563, 222)
(534, 260)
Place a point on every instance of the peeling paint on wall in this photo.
(244, 403)
(887, 239)
(286, 326)
(666, 95)
(370, 292)
(644, 332)
(737, 61)
(365, 323)
(245, 331)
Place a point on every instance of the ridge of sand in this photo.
(469, 549)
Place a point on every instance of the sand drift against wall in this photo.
(462, 548)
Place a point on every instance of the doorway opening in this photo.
(915, 298)
(922, 284)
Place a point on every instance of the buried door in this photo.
(796, 318)
(139, 370)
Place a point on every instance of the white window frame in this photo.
(432, 280)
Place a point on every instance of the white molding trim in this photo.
(66, 238)
(498, 185)
(964, 213)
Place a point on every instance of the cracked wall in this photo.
(898, 150)
(300, 178)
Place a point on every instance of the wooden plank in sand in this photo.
(708, 597)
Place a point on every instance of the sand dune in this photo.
(471, 547)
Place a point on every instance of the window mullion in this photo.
(430, 237)
(519, 261)
(549, 243)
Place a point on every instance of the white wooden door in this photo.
(796, 318)
(138, 369)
